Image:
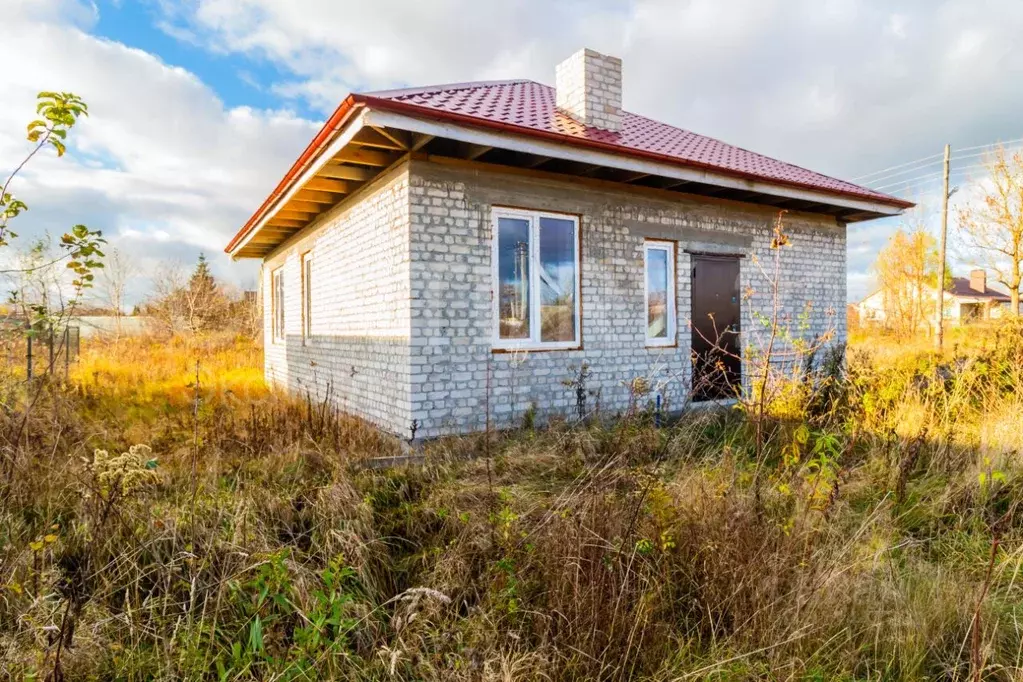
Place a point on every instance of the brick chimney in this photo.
(589, 89)
(978, 281)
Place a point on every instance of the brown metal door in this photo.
(717, 363)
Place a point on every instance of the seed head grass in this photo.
(152, 529)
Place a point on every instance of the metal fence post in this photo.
(28, 355)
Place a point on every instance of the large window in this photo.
(536, 275)
(277, 303)
(659, 267)
(307, 296)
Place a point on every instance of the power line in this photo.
(977, 154)
(933, 159)
(990, 144)
(912, 169)
(928, 176)
(921, 167)
(901, 165)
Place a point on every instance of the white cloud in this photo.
(897, 24)
(841, 86)
(160, 165)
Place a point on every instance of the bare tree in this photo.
(993, 226)
(193, 303)
(119, 271)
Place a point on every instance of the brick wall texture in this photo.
(589, 88)
(358, 352)
(402, 318)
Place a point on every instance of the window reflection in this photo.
(557, 279)
(657, 293)
(513, 267)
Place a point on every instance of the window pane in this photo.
(513, 277)
(279, 304)
(307, 299)
(557, 279)
(657, 293)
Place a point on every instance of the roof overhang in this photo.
(367, 135)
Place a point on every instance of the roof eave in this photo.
(344, 114)
(419, 111)
(333, 125)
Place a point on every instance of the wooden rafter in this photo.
(364, 157)
(277, 221)
(340, 172)
(274, 232)
(589, 169)
(305, 206)
(632, 177)
(372, 137)
(330, 185)
(421, 141)
(318, 197)
(294, 214)
(475, 151)
(398, 137)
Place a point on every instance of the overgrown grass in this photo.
(880, 539)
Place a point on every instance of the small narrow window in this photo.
(307, 295)
(277, 304)
(659, 266)
(536, 279)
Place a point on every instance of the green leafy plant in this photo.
(80, 247)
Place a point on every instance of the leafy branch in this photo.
(58, 113)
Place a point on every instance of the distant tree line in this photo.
(199, 304)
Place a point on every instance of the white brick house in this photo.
(440, 256)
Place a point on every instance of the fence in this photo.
(49, 352)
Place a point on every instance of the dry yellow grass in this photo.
(879, 535)
(143, 369)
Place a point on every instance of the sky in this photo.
(197, 107)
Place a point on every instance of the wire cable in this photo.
(912, 169)
(926, 161)
(901, 165)
(928, 176)
(954, 159)
(990, 144)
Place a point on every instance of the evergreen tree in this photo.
(202, 278)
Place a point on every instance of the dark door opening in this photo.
(717, 361)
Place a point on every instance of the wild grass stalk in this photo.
(245, 540)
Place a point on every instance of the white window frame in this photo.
(277, 321)
(533, 342)
(306, 261)
(671, 338)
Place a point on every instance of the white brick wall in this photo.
(451, 283)
(588, 87)
(358, 349)
(402, 317)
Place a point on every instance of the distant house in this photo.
(968, 299)
(110, 326)
(444, 258)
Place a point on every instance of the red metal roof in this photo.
(531, 107)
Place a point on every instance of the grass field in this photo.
(155, 528)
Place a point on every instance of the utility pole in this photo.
(941, 263)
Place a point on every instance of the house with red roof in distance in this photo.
(443, 259)
(967, 300)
